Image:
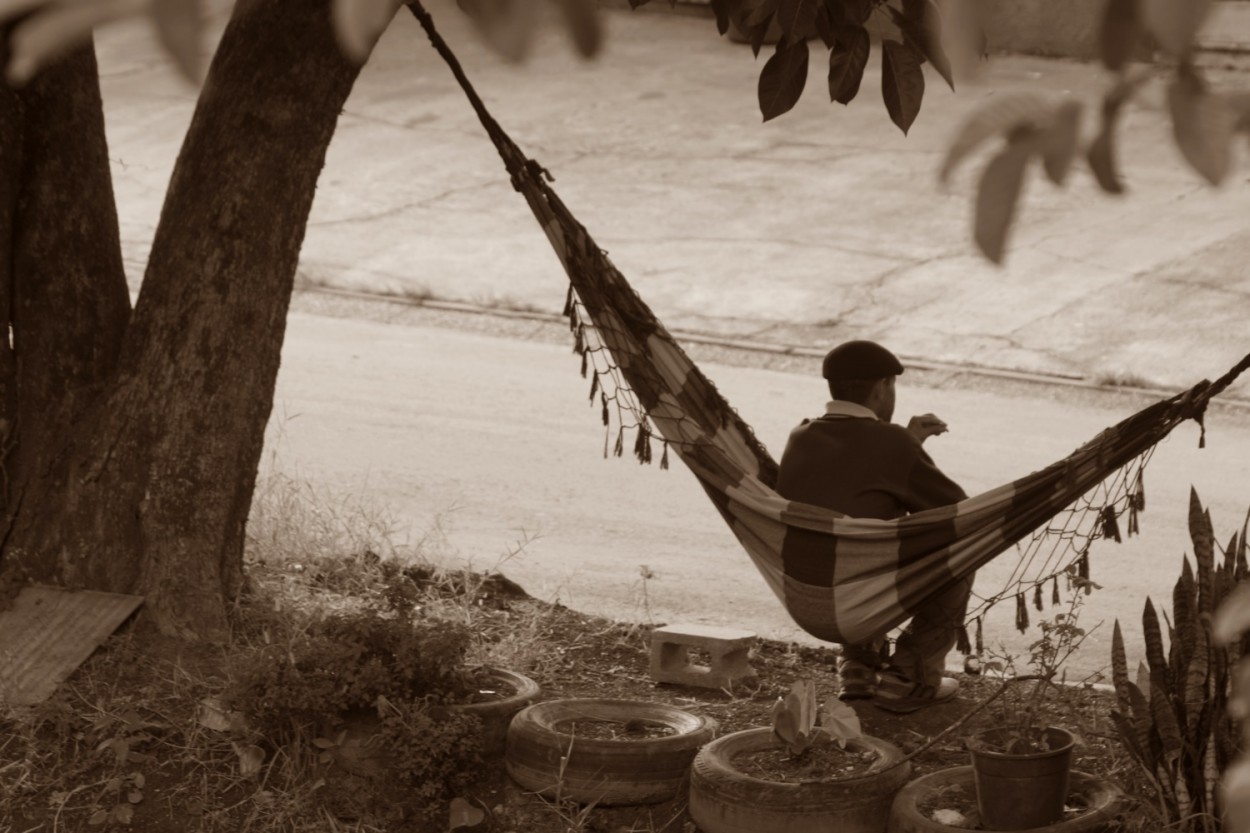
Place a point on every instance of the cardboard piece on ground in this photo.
(50, 631)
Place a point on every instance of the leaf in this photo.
(782, 79)
(324, 743)
(507, 26)
(1165, 723)
(134, 796)
(1101, 152)
(797, 18)
(1173, 23)
(212, 713)
(463, 814)
(1119, 669)
(1232, 619)
(1119, 33)
(1142, 722)
(357, 24)
(1202, 124)
(1058, 141)
(720, 8)
(1235, 792)
(1003, 115)
(1196, 684)
(582, 19)
(847, 61)
(920, 23)
(828, 21)
(760, 12)
(1128, 736)
(53, 30)
(902, 83)
(98, 818)
(123, 813)
(180, 27)
(997, 195)
(138, 780)
(841, 722)
(251, 757)
(1154, 644)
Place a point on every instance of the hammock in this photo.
(841, 579)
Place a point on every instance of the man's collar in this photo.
(843, 408)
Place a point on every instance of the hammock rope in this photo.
(841, 579)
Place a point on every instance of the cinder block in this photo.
(728, 652)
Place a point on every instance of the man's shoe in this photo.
(901, 696)
(859, 682)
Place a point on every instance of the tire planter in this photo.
(497, 714)
(361, 752)
(1103, 801)
(1019, 791)
(725, 800)
(543, 756)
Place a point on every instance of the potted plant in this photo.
(812, 771)
(1022, 765)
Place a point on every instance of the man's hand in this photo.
(924, 426)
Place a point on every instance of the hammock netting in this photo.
(841, 579)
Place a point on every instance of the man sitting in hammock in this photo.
(853, 460)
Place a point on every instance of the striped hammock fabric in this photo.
(841, 579)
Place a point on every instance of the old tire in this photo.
(1104, 803)
(725, 800)
(497, 714)
(606, 772)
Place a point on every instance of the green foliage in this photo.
(1174, 719)
(345, 663)
(434, 753)
(840, 24)
(795, 718)
(1021, 719)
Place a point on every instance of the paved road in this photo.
(823, 224)
(489, 440)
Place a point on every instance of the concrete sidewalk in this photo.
(823, 225)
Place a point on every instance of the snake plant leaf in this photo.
(1128, 736)
(1142, 724)
(1196, 683)
(1154, 644)
(1166, 724)
(1203, 538)
(1119, 669)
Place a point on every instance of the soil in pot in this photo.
(822, 762)
(635, 729)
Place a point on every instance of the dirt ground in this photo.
(124, 732)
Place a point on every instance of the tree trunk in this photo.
(153, 490)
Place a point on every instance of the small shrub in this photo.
(345, 663)
(435, 752)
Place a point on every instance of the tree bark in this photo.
(153, 491)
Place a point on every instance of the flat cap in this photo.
(860, 360)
